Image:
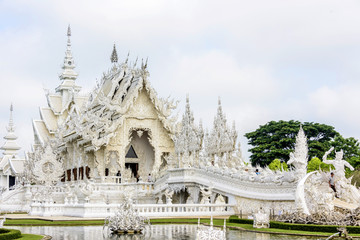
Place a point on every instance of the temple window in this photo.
(131, 153)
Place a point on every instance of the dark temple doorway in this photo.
(134, 168)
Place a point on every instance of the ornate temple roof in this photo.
(95, 118)
(111, 100)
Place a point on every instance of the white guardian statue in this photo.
(338, 163)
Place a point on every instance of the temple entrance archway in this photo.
(139, 154)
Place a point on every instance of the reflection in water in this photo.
(156, 232)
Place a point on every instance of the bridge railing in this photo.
(147, 210)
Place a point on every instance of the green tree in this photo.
(278, 165)
(315, 164)
(275, 140)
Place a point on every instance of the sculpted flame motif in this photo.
(300, 156)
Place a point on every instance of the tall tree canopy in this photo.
(275, 140)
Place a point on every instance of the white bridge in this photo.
(230, 185)
(101, 198)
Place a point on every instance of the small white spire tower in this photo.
(10, 146)
(68, 88)
(68, 76)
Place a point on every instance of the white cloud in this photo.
(267, 60)
(216, 73)
(339, 105)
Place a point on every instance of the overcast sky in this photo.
(267, 60)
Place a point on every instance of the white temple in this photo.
(11, 164)
(89, 150)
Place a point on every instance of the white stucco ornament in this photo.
(48, 169)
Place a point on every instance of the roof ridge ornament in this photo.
(127, 58)
(114, 55)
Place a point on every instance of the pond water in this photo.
(156, 232)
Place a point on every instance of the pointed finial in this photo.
(146, 62)
(127, 58)
(135, 62)
(69, 31)
(114, 56)
(11, 107)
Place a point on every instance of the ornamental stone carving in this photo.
(46, 168)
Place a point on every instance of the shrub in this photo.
(236, 219)
(315, 164)
(277, 165)
(312, 227)
(7, 234)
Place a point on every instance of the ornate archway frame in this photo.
(138, 150)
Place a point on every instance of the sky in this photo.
(266, 60)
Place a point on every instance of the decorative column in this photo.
(121, 159)
(157, 162)
(99, 159)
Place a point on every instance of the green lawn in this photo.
(30, 237)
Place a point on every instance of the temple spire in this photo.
(114, 56)
(69, 32)
(11, 127)
(69, 65)
(10, 146)
(68, 75)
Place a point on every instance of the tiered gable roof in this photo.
(111, 100)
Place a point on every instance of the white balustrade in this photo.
(146, 210)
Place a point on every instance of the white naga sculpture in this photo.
(169, 194)
(338, 163)
(299, 157)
